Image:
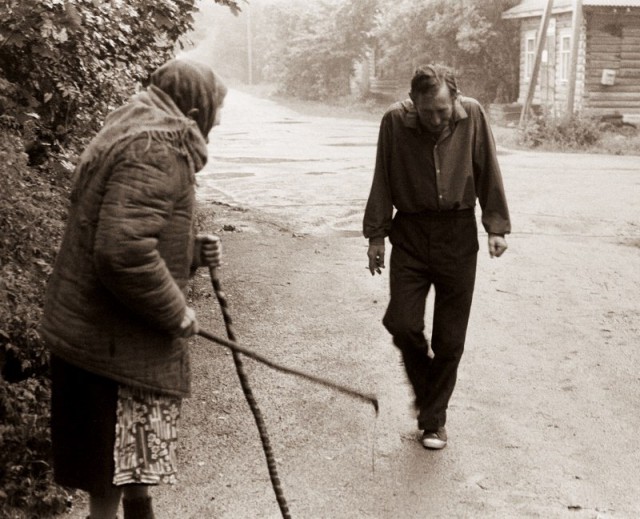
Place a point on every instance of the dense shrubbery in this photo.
(31, 215)
(571, 133)
(63, 65)
(28, 490)
(66, 63)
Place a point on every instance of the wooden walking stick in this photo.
(237, 350)
(248, 393)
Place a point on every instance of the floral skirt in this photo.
(146, 437)
(104, 433)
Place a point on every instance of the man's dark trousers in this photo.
(439, 249)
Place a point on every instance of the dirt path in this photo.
(544, 420)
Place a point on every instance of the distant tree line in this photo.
(468, 35)
(310, 49)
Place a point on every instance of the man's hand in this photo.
(189, 325)
(210, 248)
(376, 258)
(497, 245)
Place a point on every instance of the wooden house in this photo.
(605, 62)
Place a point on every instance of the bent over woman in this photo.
(115, 316)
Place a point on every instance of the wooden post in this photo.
(249, 47)
(533, 80)
(576, 26)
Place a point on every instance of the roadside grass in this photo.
(620, 143)
(622, 140)
(612, 141)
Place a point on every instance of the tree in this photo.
(220, 38)
(468, 35)
(312, 49)
(70, 61)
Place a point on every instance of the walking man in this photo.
(436, 156)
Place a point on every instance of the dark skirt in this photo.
(83, 427)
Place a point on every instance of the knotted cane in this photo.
(237, 350)
(248, 394)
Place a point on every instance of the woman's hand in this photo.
(189, 325)
(210, 250)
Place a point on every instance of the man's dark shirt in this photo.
(417, 172)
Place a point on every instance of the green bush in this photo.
(25, 469)
(71, 61)
(568, 133)
(32, 210)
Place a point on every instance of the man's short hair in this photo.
(428, 79)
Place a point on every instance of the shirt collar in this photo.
(410, 115)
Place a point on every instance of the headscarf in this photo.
(194, 88)
(180, 110)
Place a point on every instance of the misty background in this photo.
(329, 49)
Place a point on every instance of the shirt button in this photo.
(440, 197)
(438, 171)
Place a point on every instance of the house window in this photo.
(565, 56)
(529, 53)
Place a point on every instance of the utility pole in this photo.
(576, 24)
(540, 42)
(249, 47)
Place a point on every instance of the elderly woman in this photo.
(115, 316)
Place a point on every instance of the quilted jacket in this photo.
(115, 299)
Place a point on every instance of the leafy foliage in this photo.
(74, 60)
(31, 214)
(71, 61)
(25, 470)
(469, 36)
(311, 49)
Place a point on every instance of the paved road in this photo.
(545, 416)
(313, 174)
(544, 421)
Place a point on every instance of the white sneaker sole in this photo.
(433, 443)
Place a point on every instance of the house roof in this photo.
(528, 8)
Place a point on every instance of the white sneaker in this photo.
(434, 439)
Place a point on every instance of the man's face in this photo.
(434, 111)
